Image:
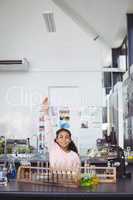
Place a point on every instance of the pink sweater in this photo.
(58, 158)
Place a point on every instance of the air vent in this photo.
(14, 65)
(49, 21)
(10, 62)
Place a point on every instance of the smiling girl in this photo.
(63, 154)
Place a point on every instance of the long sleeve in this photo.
(49, 132)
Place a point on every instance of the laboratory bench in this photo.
(122, 189)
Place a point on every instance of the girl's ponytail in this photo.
(73, 147)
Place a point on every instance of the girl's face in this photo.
(63, 140)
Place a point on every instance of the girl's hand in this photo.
(45, 105)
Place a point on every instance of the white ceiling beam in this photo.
(78, 19)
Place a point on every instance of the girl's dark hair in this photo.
(72, 145)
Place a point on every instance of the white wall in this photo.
(54, 59)
(22, 94)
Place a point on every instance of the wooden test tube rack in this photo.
(105, 174)
(43, 175)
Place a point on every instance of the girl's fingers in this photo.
(45, 101)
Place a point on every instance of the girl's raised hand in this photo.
(45, 105)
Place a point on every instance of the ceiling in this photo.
(103, 19)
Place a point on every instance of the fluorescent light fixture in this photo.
(49, 21)
(112, 69)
